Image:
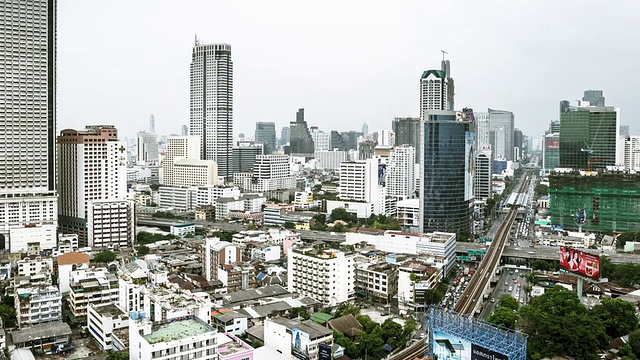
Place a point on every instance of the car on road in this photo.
(510, 288)
(493, 300)
(506, 283)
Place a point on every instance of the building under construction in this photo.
(611, 200)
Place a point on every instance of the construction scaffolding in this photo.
(611, 200)
(484, 337)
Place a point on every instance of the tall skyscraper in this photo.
(365, 129)
(446, 67)
(400, 173)
(483, 130)
(433, 91)
(284, 135)
(147, 148)
(594, 97)
(92, 183)
(386, 137)
(517, 144)
(266, 135)
(211, 114)
(482, 180)
(184, 130)
(407, 131)
(244, 156)
(501, 122)
(446, 193)
(152, 124)
(28, 200)
(589, 137)
(300, 140)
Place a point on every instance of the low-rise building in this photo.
(49, 338)
(279, 214)
(266, 253)
(109, 326)
(231, 347)
(378, 282)
(183, 229)
(408, 212)
(185, 338)
(94, 286)
(237, 276)
(34, 265)
(300, 339)
(37, 304)
(229, 321)
(66, 264)
(438, 245)
(326, 275)
(415, 279)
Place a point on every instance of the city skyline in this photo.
(528, 70)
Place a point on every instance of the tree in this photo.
(350, 348)
(371, 343)
(104, 257)
(289, 225)
(143, 250)
(392, 333)
(542, 265)
(409, 327)
(8, 315)
(618, 316)
(120, 355)
(346, 308)
(503, 316)
(541, 190)
(339, 228)
(300, 311)
(368, 325)
(634, 342)
(509, 302)
(344, 215)
(558, 324)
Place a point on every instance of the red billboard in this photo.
(580, 262)
(553, 144)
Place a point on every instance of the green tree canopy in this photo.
(503, 316)
(634, 342)
(392, 333)
(558, 324)
(509, 302)
(346, 308)
(618, 316)
(344, 215)
(104, 257)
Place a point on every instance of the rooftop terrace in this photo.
(177, 330)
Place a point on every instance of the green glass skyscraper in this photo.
(588, 137)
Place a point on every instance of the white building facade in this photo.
(328, 277)
(211, 103)
(400, 173)
(178, 147)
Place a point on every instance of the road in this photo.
(473, 293)
(506, 277)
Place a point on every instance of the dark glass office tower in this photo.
(588, 137)
(407, 132)
(266, 135)
(300, 140)
(448, 158)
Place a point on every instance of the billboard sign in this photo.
(300, 344)
(446, 346)
(580, 262)
(552, 144)
(469, 163)
(325, 351)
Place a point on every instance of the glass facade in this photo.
(445, 206)
(588, 137)
(407, 132)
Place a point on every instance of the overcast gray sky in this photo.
(345, 62)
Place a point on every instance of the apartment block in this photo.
(325, 275)
(109, 326)
(378, 282)
(95, 286)
(186, 338)
(37, 304)
(178, 147)
(111, 223)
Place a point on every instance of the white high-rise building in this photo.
(211, 112)
(28, 201)
(482, 130)
(482, 180)
(386, 137)
(433, 91)
(359, 180)
(270, 172)
(321, 140)
(327, 276)
(92, 166)
(178, 147)
(330, 159)
(632, 152)
(501, 127)
(400, 173)
(147, 148)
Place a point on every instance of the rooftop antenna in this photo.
(197, 41)
(443, 53)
